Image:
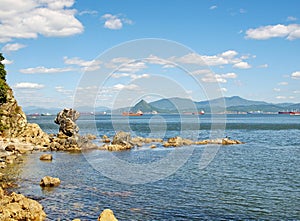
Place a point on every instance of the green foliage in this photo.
(2, 68)
(3, 85)
(3, 91)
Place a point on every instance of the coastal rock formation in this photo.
(105, 139)
(117, 147)
(49, 181)
(66, 121)
(178, 142)
(13, 122)
(121, 138)
(107, 215)
(17, 207)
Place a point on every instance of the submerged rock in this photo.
(107, 215)
(48, 181)
(46, 157)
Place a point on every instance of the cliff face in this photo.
(13, 120)
(13, 123)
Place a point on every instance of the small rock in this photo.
(107, 215)
(153, 146)
(46, 157)
(48, 181)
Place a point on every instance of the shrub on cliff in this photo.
(3, 85)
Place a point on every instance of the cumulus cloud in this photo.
(213, 7)
(296, 75)
(218, 78)
(242, 65)
(280, 97)
(90, 65)
(12, 47)
(289, 32)
(120, 87)
(28, 85)
(276, 89)
(115, 22)
(44, 70)
(132, 76)
(227, 57)
(28, 19)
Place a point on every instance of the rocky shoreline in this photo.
(18, 137)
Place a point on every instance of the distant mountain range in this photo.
(233, 104)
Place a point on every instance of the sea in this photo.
(257, 180)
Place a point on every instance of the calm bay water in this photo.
(256, 180)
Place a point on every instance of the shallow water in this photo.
(256, 180)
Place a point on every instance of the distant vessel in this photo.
(284, 112)
(289, 112)
(138, 113)
(46, 114)
(195, 113)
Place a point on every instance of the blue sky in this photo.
(251, 49)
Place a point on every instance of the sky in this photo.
(114, 53)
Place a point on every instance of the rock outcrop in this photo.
(107, 215)
(121, 141)
(49, 181)
(18, 207)
(66, 120)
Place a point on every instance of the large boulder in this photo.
(121, 138)
(18, 207)
(107, 215)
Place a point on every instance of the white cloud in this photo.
(276, 89)
(229, 75)
(296, 75)
(44, 70)
(242, 65)
(115, 22)
(132, 67)
(296, 92)
(283, 83)
(225, 58)
(281, 97)
(5, 61)
(223, 89)
(28, 85)
(229, 54)
(28, 19)
(291, 18)
(218, 78)
(290, 32)
(12, 47)
(91, 65)
(202, 71)
(213, 7)
(132, 76)
(120, 87)
(62, 90)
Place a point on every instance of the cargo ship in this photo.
(138, 113)
(295, 113)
